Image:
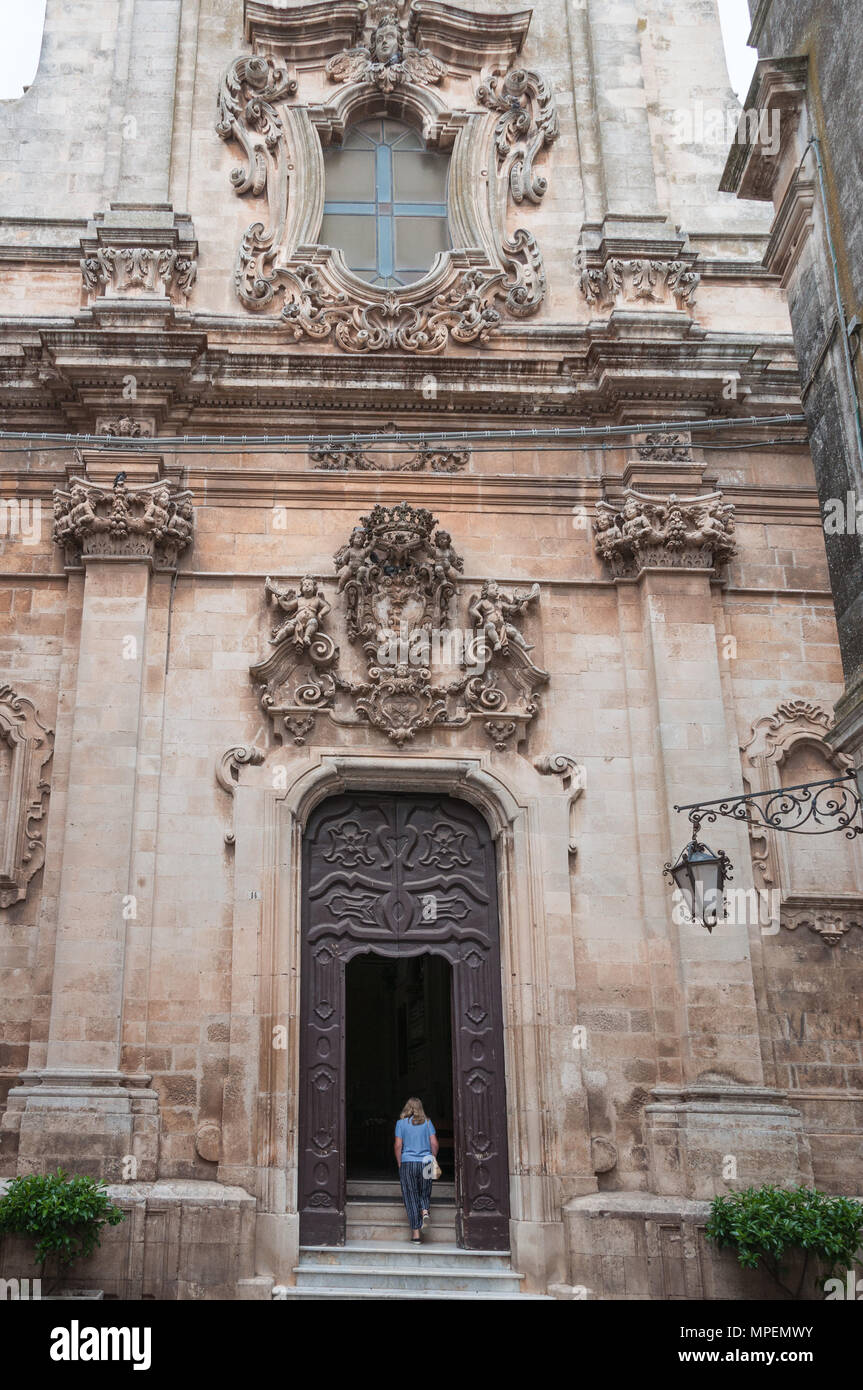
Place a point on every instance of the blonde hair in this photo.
(413, 1111)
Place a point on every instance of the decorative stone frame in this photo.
(494, 140)
(22, 847)
(267, 834)
(774, 737)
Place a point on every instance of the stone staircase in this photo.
(378, 1261)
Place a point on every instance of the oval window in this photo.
(386, 204)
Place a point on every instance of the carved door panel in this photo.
(401, 876)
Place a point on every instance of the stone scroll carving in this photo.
(127, 521)
(397, 580)
(689, 532)
(425, 458)
(351, 55)
(25, 748)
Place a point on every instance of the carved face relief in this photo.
(386, 40)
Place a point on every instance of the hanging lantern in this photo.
(701, 876)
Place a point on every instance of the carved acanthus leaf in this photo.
(636, 279)
(146, 521)
(463, 315)
(692, 532)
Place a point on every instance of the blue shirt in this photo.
(415, 1140)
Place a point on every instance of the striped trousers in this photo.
(416, 1191)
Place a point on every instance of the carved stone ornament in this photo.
(133, 254)
(802, 724)
(151, 521)
(397, 579)
(638, 279)
(125, 428)
(368, 60)
(115, 269)
(426, 458)
(689, 532)
(25, 747)
(831, 918)
(387, 59)
(573, 779)
(665, 446)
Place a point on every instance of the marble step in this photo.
(287, 1293)
(376, 1267)
(379, 1189)
(402, 1255)
(377, 1220)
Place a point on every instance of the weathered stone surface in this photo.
(150, 976)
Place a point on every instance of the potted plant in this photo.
(63, 1215)
(768, 1224)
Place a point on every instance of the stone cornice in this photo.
(69, 374)
(778, 86)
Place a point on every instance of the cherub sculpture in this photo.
(82, 514)
(305, 611)
(352, 561)
(636, 525)
(491, 610)
(154, 518)
(446, 564)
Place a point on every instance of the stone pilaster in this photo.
(80, 1111)
(664, 552)
(628, 173)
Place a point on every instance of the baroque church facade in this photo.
(426, 513)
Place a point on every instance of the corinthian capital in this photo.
(149, 521)
(672, 532)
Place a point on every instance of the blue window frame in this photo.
(386, 203)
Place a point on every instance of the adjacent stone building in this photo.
(804, 90)
(344, 767)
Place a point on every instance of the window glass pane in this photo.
(355, 236)
(385, 196)
(420, 177)
(395, 132)
(350, 176)
(418, 240)
(356, 140)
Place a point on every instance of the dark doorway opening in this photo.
(398, 1043)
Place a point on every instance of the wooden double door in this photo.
(402, 876)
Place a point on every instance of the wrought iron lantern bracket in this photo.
(810, 808)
